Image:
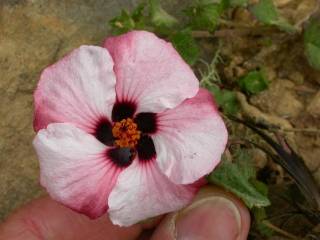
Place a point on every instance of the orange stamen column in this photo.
(126, 133)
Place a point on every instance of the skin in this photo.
(214, 214)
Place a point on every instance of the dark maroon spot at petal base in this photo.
(122, 157)
(103, 132)
(123, 110)
(147, 122)
(145, 148)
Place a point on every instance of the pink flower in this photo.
(124, 128)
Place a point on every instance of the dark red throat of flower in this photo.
(128, 135)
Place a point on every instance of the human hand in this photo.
(214, 214)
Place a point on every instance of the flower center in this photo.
(126, 133)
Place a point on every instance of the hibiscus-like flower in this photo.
(124, 128)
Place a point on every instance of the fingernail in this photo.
(211, 218)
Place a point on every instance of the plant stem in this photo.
(279, 230)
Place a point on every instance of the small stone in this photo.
(316, 176)
(259, 158)
(279, 99)
(243, 15)
(288, 106)
(237, 59)
(280, 3)
(297, 77)
(239, 71)
(270, 73)
(278, 172)
(313, 107)
(228, 72)
(309, 149)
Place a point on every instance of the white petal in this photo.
(142, 191)
(75, 169)
(79, 89)
(190, 139)
(150, 72)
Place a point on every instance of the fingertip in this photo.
(44, 218)
(214, 214)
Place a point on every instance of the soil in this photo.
(291, 102)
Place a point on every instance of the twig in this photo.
(211, 76)
(314, 12)
(305, 89)
(261, 55)
(229, 32)
(202, 34)
(303, 130)
(234, 24)
(287, 214)
(241, 32)
(309, 130)
(279, 230)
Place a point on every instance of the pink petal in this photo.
(190, 139)
(150, 72)
(74, 168)
(78, 89)
(142, 191)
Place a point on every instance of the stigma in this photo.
(126, 133)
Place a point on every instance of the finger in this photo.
(214, 214)
(47, 219)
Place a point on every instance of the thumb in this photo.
(46, 219)
(213, 215)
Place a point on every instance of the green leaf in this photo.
(225, 99)
(126, 21)
(204, 15)
(235, 177)
(225, 4)
(283, 24)
(260, 216)
(254, 82)
(122, 23)
(137, 14)
(260, 186)
(229, 102)
(312, 44)
(312, 32)
(266, 12)
(159, 17)
(185, 45)
(245, 164)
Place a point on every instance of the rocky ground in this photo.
(292, 100)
